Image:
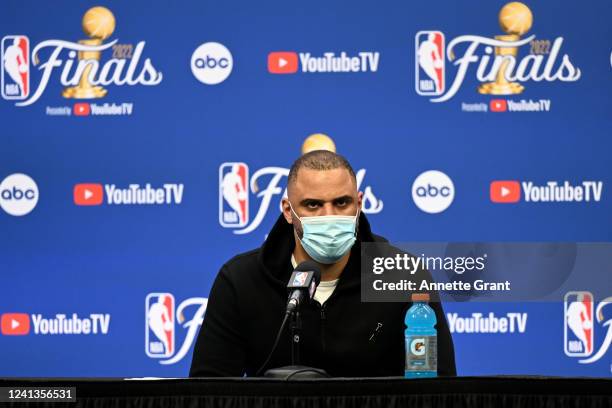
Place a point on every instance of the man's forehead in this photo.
(323, 184)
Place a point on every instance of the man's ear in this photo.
(360, 200)
(287, 210)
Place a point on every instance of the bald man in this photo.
(321, 222)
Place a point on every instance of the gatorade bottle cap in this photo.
(420, 297)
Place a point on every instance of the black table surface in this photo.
(498, 391)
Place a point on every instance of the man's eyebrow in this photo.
(345, 197)
(307, 201)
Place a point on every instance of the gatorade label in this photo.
(421, 353)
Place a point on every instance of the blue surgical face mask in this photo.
(328, 238)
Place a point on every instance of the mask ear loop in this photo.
(299, 219)
(357, 222)
(293, 211)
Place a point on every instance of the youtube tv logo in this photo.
(15, 324)
(88, 194)
(81, 109)
(282, 62)
(505, 191)
(551, 191)
(498, 105)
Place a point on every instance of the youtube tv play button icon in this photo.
(498, 105)
(15, 324)
(505, 191)
(88, 194)
(282, 62)
(81, 109)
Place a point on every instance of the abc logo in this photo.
(18, 194)
(211, 63)
(433, 191)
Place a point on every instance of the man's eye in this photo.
(341, 203)
(312, 205)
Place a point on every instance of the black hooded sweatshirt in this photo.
(344, 336)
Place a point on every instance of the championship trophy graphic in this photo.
(318, 141)
(515, 19)
(98, 24)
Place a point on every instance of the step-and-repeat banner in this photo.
(144, 144)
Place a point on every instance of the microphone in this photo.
(301, 287)
(302, 284)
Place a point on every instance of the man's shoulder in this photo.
(247, 258)
(380, 246)
(242, 263)
(379, 238)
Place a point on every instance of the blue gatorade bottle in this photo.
(421, 339)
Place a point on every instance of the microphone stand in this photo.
(295, 370)
(296, 325)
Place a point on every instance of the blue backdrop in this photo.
(79, 251)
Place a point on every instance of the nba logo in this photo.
(578, 324)
(159, 331)
(300, 278)
(233, 195)
(15, 77)
(429, 63)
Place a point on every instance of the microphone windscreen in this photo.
(310, 266)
